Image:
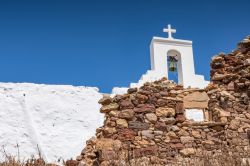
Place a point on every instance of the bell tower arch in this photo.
(174, 59)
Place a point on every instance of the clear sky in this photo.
(105, 43)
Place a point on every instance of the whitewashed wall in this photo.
(56, 118)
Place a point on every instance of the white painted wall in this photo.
(57, 118)
(160, 48)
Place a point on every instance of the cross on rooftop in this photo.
(169, 31)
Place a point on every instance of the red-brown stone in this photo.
(151, 150)
(126, 134)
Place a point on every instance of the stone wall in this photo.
(147, 126)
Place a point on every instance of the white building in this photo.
(160, 50)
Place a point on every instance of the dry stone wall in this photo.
(147, 126)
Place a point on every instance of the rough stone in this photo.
(126, 104)
(108, 108)
(126, 114)
(121, 123)
(144, 108)
(151, 117)
(105, 100)
(187, 152)
(196, 100)
(165, 111)
(138, 125)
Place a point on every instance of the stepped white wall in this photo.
(57, 118)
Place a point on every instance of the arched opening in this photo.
(174, 66)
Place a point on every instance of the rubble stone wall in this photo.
(147, 126)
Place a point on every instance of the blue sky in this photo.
(106, 43)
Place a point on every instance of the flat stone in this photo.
(170, 120)
(126, 104)
(158, 132)
(108, 155)
(183, 133)
(165, 112)
(108, 108)
(187, 152)
(186, 139)
(175, 128)
(147, 133)
(196, 134)
(108, 144)
(126, 114)
(222, 113)
(178, 146)
(179, 108)
(121, 123)
(180, 118)
(234, 124)
(144, 108)
(151, 117)
(132, 90)
(141, 97)
(105, 100)
(138, 125)
(151, 150)
(126, 134)
(161, 126)
(196, 100)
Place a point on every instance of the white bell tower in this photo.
(160, 49)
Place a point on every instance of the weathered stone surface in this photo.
(170, 120)
(222, 113)
(151, 117)
(126, 104)
(186, 139)
(196, 100)
(179, 108)
(108, 155)
(141, 97)
(132, 90)
(152, 150)
(147, 133)
(126, 114)
(108, 108)
(165, 111)
(187, 151)
(138, 125)
(108, 131)
(178, 146)
(234, 124)
(105, 100)
(196, 134)
(126, 134)
(108, 144)
(161, 126)
(121, 123)
(180, 118)
(144, 108)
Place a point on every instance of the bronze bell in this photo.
(172, 64)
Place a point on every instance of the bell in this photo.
(172, 64)
(172, 67)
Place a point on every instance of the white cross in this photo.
(169, 31)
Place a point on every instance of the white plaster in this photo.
(119, 91)
(56, 118)
(194, 114)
